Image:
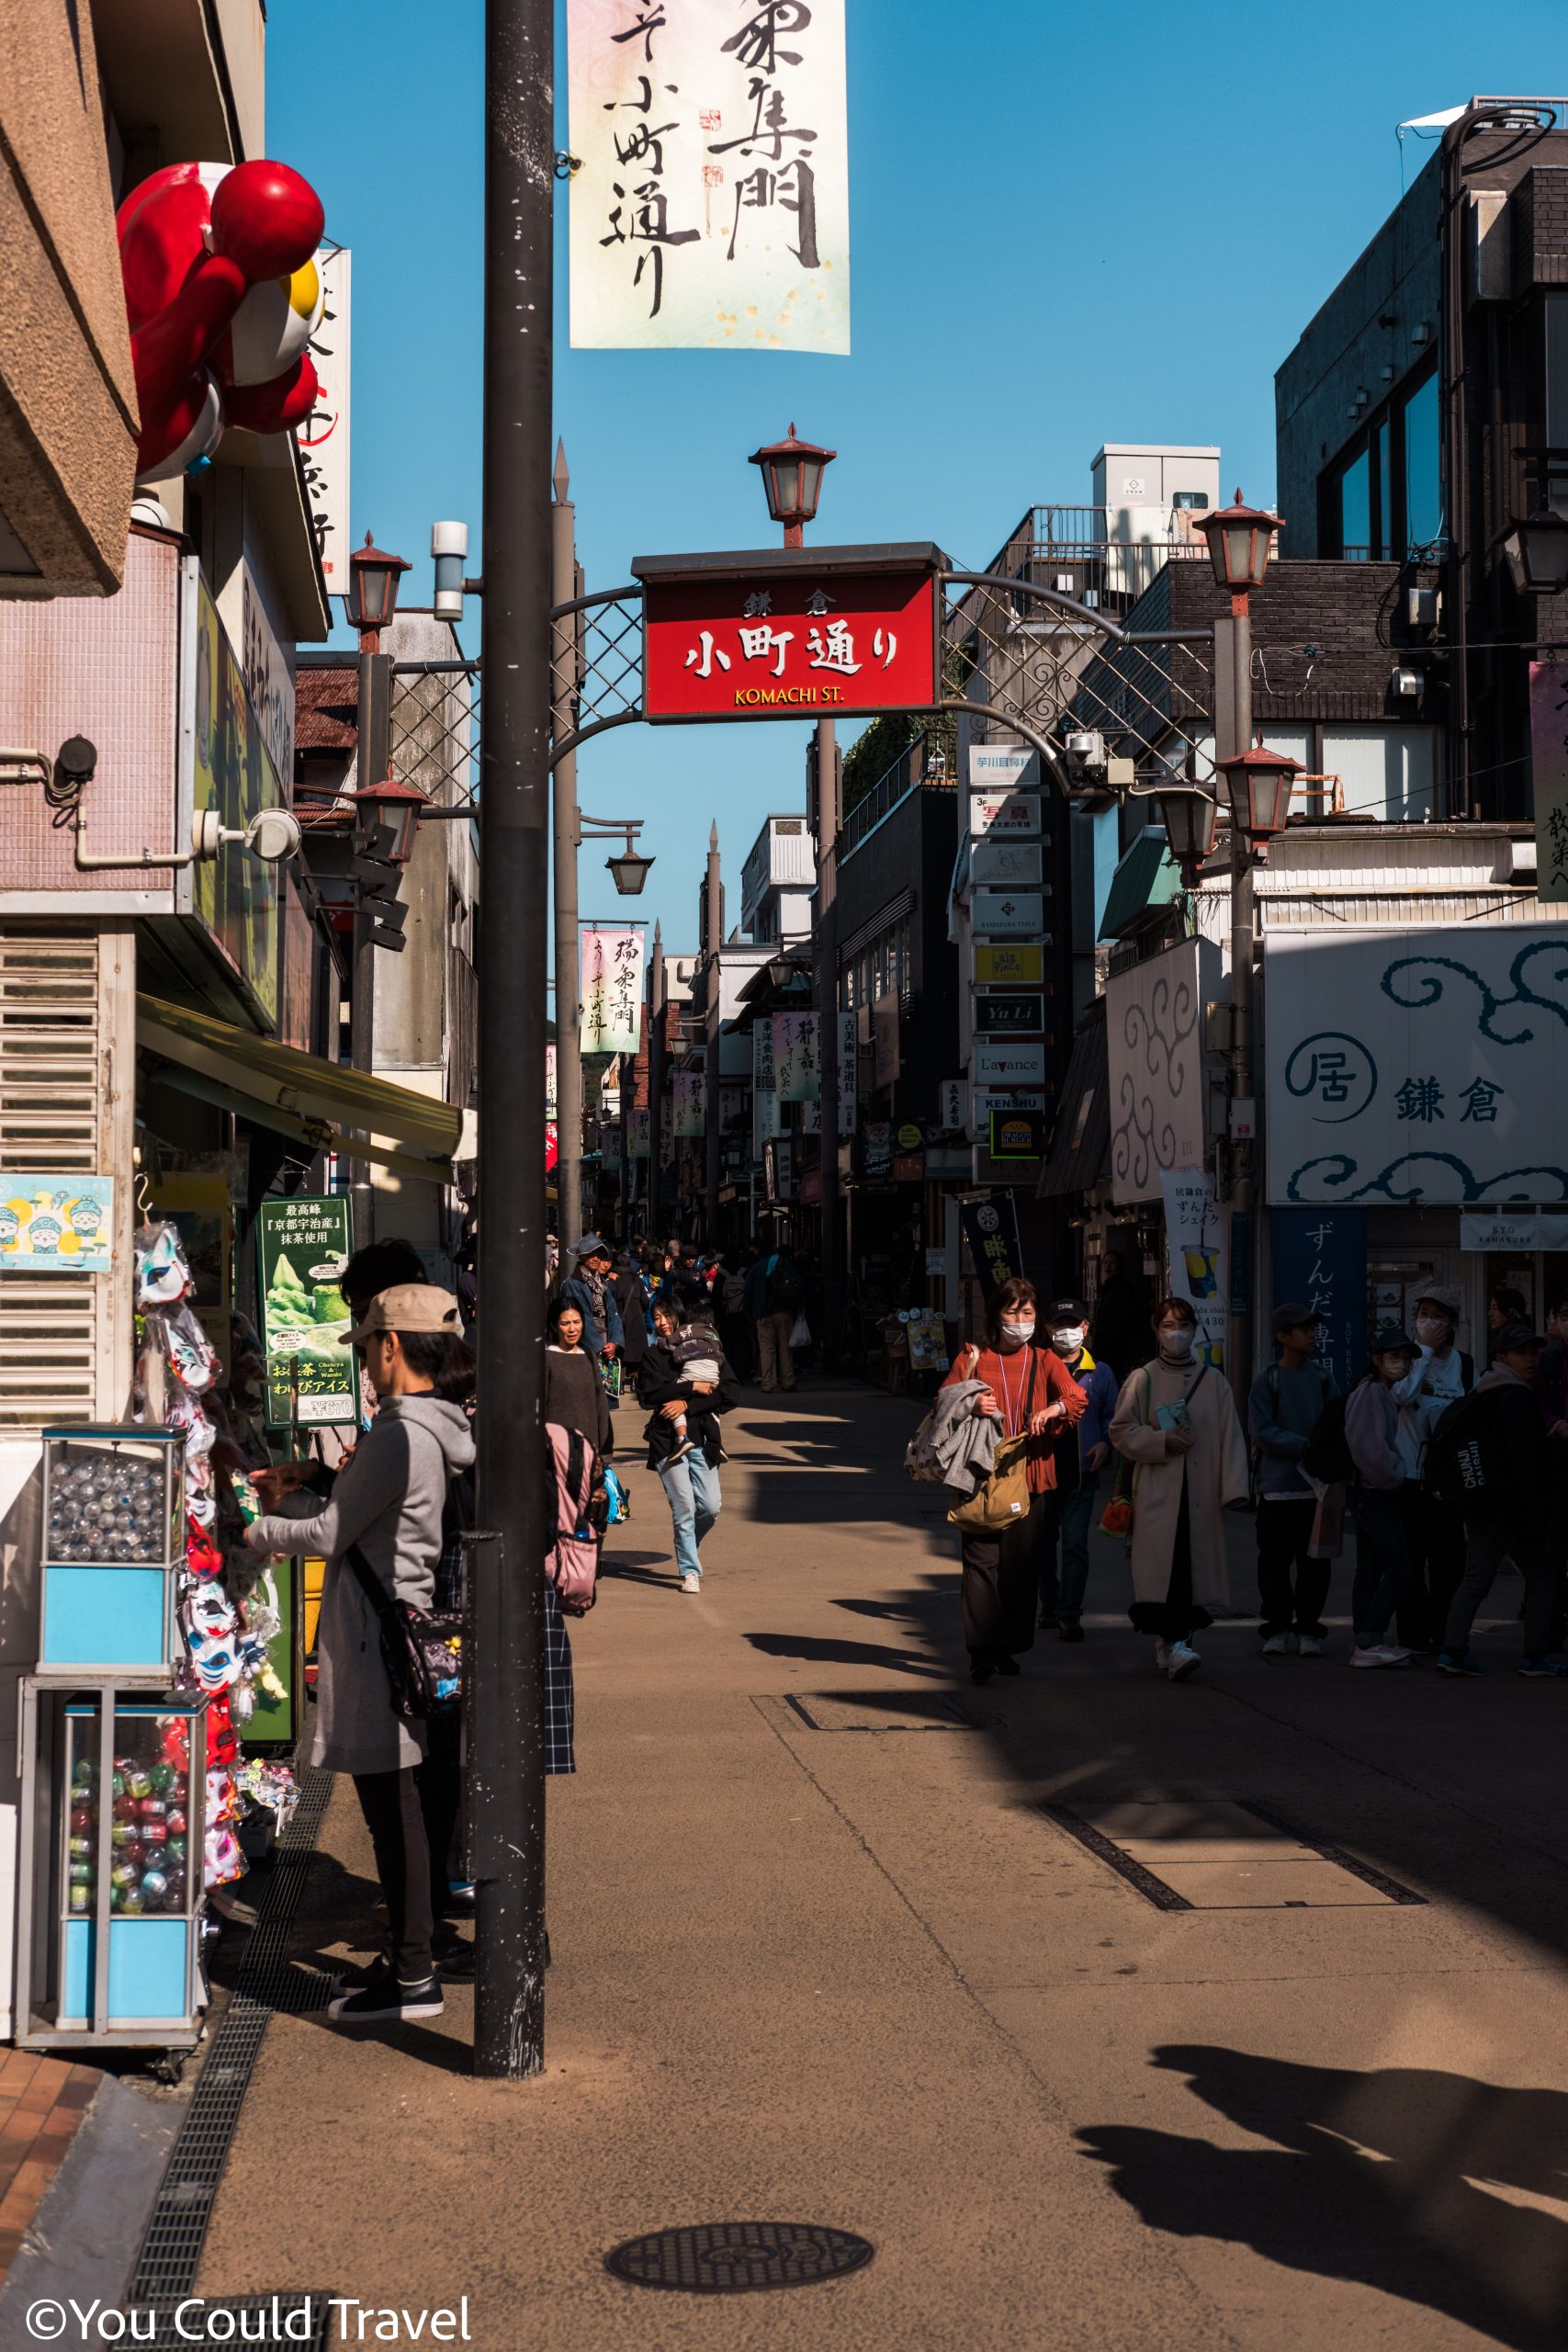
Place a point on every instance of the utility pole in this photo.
(506, 1759)
(373, 755)
(712, 1012)
(1233, 733)
(830, 1075)
(568, 1018)
(656, 1087)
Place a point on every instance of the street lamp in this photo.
(1241, 540)
(1537, 550)
(1190, 819)
(373, 578)
(395, 805)
(630, 872)
(1259, 783)
(628, 867)
(792, 478)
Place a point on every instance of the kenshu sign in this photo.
(788, 632)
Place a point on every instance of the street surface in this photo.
(820, 1955)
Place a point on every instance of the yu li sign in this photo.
(710, 187)
(812, 633)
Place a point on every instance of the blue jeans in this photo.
(1383, 1562)
(1071, 1517)
(692, 1484)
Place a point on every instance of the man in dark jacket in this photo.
(1513, 1526)
(1079, 1458)
(686, 1383)
(626, 1289)
(773, 1300)
(587, 1286)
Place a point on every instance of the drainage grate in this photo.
(738, 2257)
(279, 2317)
(177, 2228)
(1154, 1889)
(880, 1710)
(1366, 1872)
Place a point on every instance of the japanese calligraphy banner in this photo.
(1419, 1065)
(709, 207)
(1320, 1255)
(691, 1102)
(640, 1133)
(765, 1119)
(324, 436)
(795, 1074)
(1195, 1243)
(1549, 757)
(610, 991)
(778, 644)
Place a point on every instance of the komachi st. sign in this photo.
(787, 634)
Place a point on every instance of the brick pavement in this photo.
(42, 2101)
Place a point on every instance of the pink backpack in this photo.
(572, 1560)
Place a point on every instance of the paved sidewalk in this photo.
(820, 1955)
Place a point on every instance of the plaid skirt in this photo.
(560, 1754)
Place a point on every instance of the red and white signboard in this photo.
(806, 640)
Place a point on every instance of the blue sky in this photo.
(1054, 243)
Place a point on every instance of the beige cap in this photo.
(409, 1307)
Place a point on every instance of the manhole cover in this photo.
(734, 2258)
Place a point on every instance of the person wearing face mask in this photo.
(1382, 1471)
(1176, 1422)
(1069, 1508)
(1026, 1388)
(1434, 1541)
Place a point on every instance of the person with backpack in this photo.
(1283, 1411)
(1029, 1392)
(1434, 1539)
(1488, 1461)
(574, 1390)
(1380, 1470)
(773, 1294)
(686, 1383)
(1070, 1505)
(383, 1524)
(1176, 1422)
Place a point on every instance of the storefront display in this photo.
(113, 1549)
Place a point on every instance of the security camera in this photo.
(78, 760)
(449, 545)
(273, 835)
(1085, 748)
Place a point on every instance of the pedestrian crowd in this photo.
(1444, 1470)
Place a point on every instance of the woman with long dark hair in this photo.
(1029, 1392)
(574, 1390)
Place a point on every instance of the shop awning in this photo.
(316, 1101)
(1148, 878)
(1079, 1149)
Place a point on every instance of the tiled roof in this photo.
(326, 709)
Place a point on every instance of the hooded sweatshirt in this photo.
(388, 1499)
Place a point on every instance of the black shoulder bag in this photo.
(421, 1648)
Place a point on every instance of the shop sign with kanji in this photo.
(781, 636)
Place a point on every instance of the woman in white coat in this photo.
(1175, 1420)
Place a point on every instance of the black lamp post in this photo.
(792, 478)
(1537, 551)
(1190, 819)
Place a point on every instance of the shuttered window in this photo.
(64, 1070)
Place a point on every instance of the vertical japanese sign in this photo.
(710, 207)
(1195, 1239)
(1548, 754)
(610, 991)
(324, 436)
(550, 1081)
(765, 1121)
(690, 1102)
(990, 1228)
(848, 1074)
(794, 1056)
(640, 1127)
(1320, 1255)
(303, 1246)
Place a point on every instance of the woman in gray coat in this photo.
(387, 1501)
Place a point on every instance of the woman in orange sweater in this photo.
(1025, 1388)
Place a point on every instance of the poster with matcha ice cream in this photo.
(304, 1246)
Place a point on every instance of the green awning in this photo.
(301, 1095)
(1148, 878)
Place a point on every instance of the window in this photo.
(1356, 509)
(1423, 472)
(1380, 537)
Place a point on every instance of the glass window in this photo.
(1356, 509)
(1423, 480)
(1382, 536)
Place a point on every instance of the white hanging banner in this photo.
(550, 1081)
(324, 436)
(795, 1076)
(710, 205)
(610, 991)
(691, 1103)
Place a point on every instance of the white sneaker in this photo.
(691, 1581)
(1183, 1660)
(1314, 1645)
(1280, 1645)
(1162, 1657)
(1379, 1654)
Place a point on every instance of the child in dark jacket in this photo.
(685, 1363)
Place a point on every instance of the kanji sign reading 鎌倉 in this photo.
(710, 175)
(755, 636)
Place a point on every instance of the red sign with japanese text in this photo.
(791, 646)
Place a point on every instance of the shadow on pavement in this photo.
(1411, 2181)
(818, 1650)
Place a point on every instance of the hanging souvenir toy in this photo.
(212, 1624)
(163, 1276)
